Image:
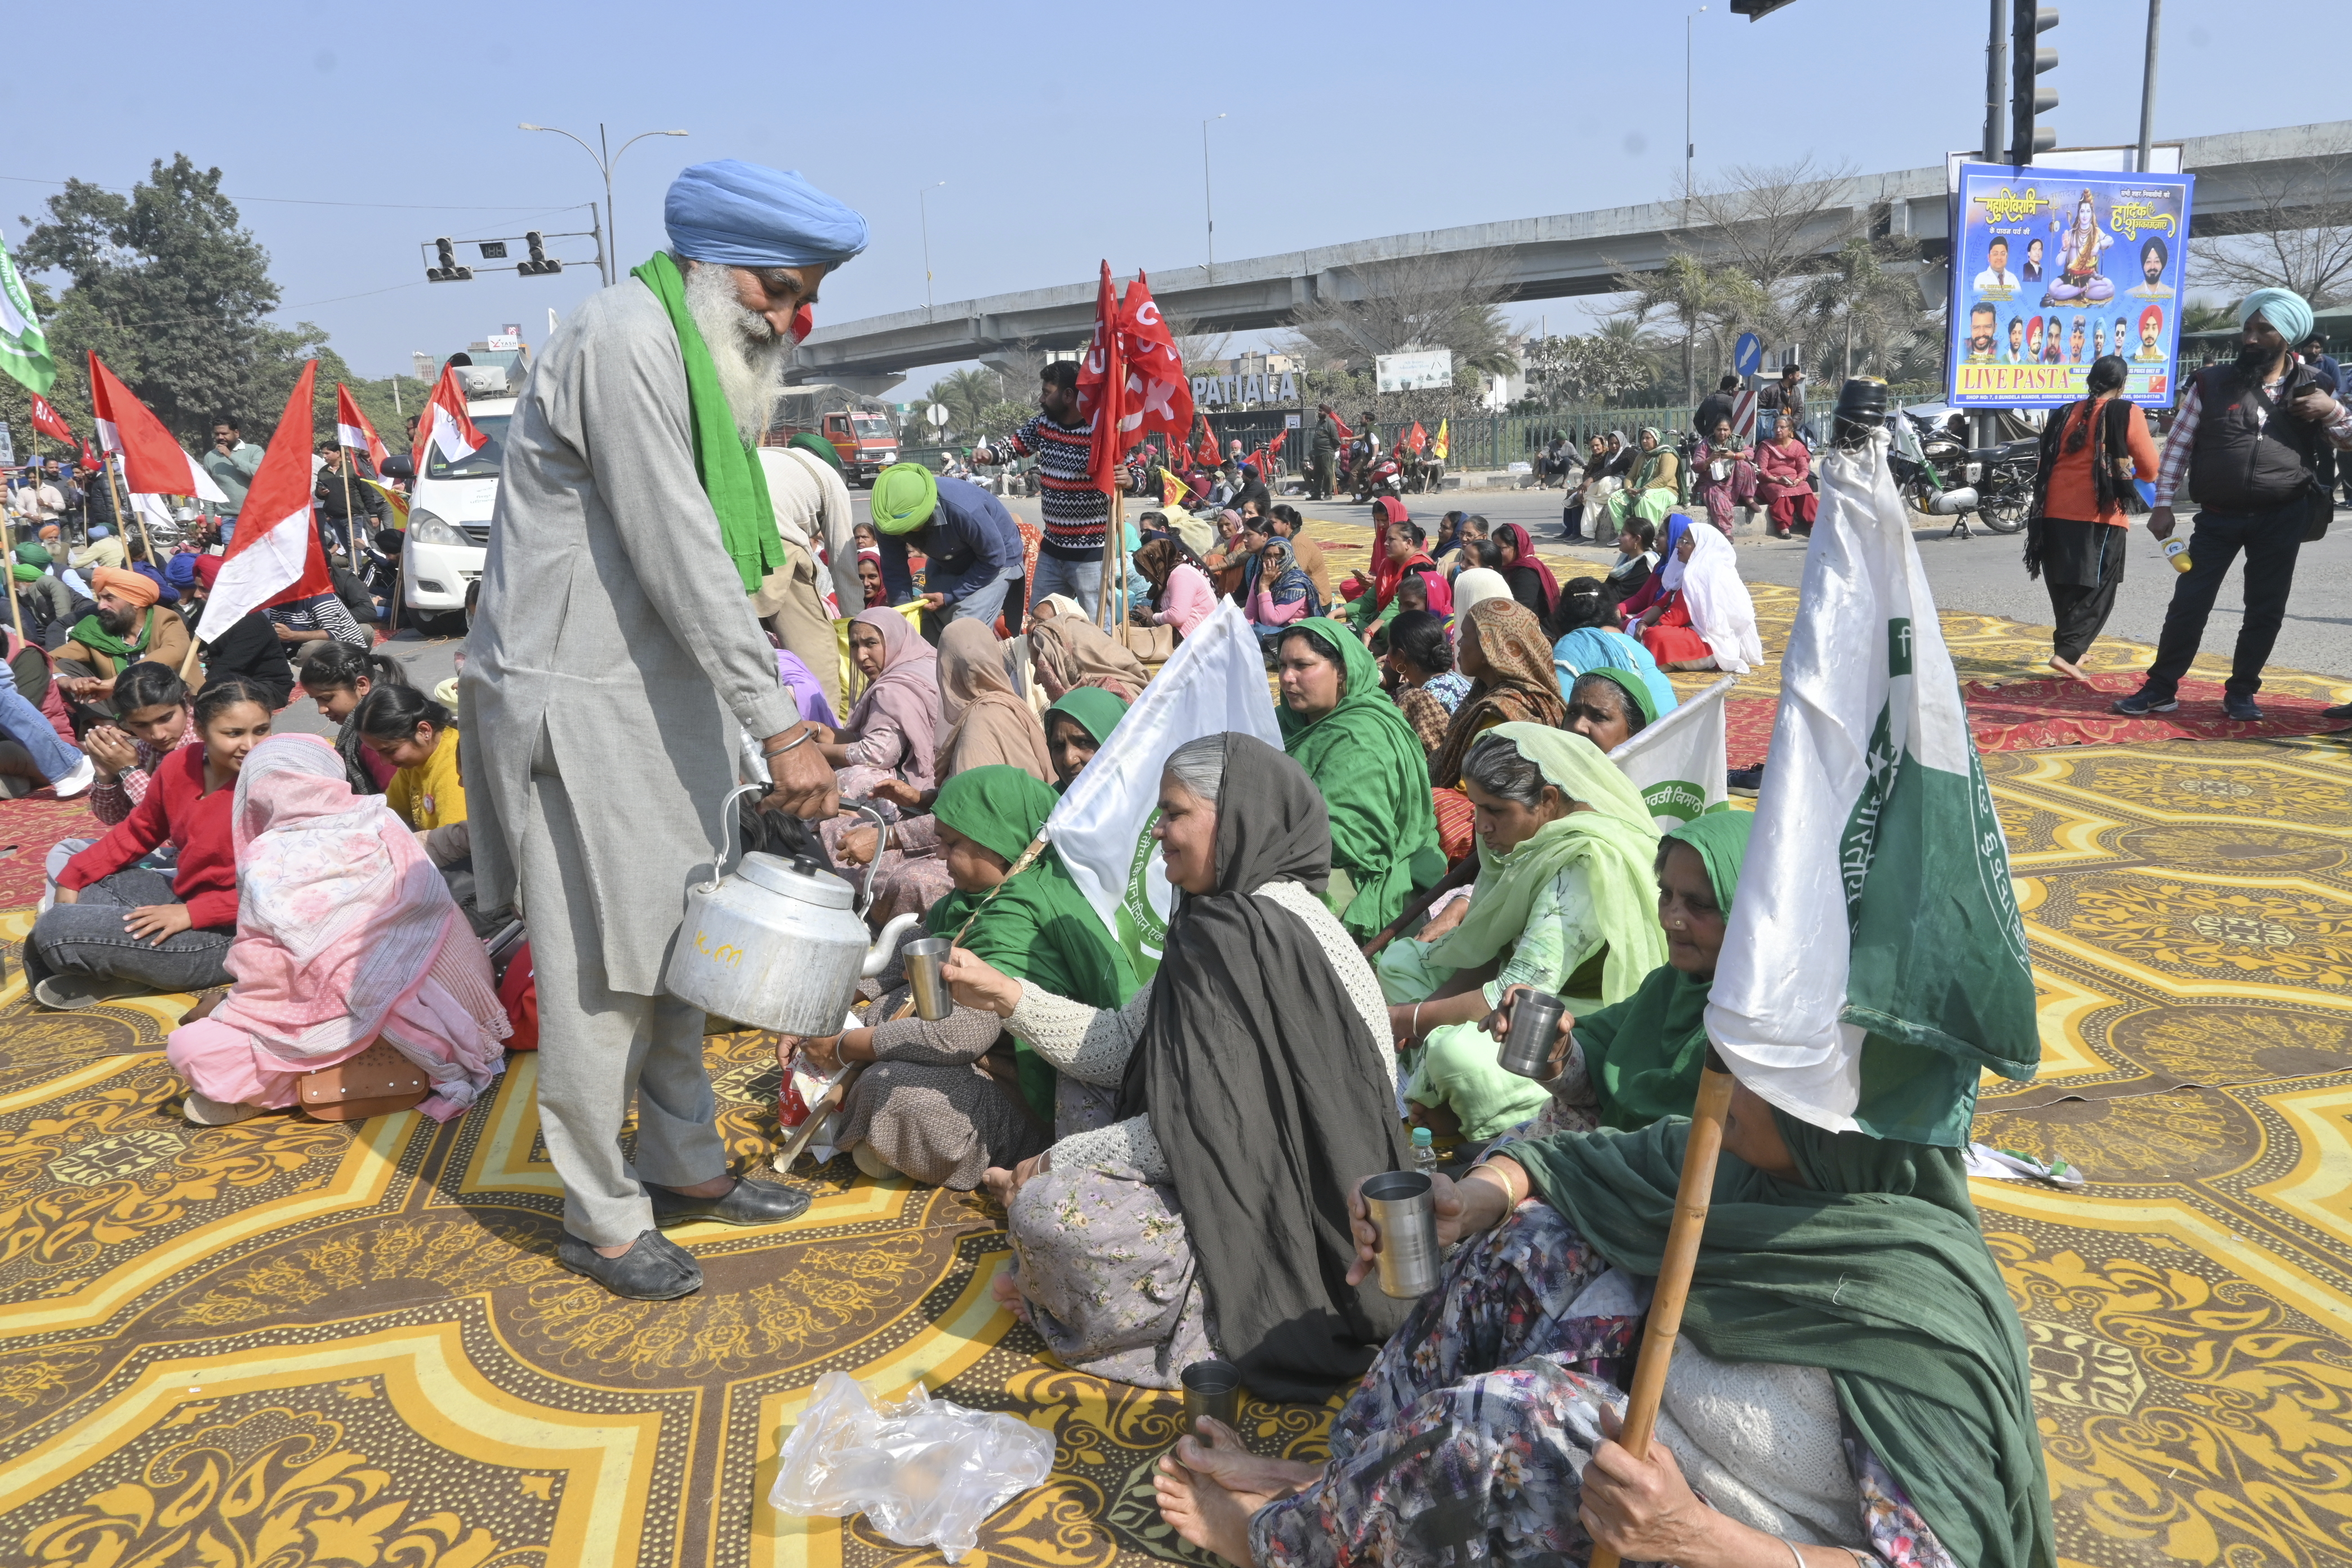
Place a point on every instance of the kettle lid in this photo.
(799, 878)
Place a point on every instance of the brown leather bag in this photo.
(376, 1082)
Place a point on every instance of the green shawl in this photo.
(90, 633)
(1615, 843)
(727, 464)
(1644, 1055)
(1872, 1268)
(1037, 927)
(1374, 778)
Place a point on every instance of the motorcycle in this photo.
(1380, 478)
(1918, 443)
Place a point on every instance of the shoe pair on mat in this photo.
(2234, 705)
(656, 1268)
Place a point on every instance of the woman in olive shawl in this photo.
(944, 1101)
(1508, 660)
(1255, 1089)
(1654, 488)
(1563, 902)
(1339, 725)
(1850, 1384)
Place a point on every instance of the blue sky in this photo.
(1065, 133)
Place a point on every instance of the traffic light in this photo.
(540, 264)
(2027, 102)
(448, 271)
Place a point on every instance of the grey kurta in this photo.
(612, 619)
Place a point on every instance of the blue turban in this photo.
(180, 571)
(742, 214)
(100, 532)
(2282, 308)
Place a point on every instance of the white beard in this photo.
(748, 353)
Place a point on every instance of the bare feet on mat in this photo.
(2067, 667)
(1202, 1512)
(1007, 1291)
(1254, 1480)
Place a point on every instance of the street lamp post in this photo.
(1208, 207)
(1690, 146)
(606, 159)
(922, 203)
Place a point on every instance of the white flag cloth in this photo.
(1102, 828)
(1875, 961)
(1678, 763)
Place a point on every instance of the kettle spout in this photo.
(885, 946)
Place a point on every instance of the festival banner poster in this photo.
(2053, 267)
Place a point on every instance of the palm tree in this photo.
(968, 395)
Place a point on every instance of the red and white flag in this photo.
(1102, 386)
(274, 556)
(153, 463)
(353, 429)
(50, 423)
(1159, 395)
(444, 424)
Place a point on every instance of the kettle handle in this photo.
(873, 867)
(726, 826)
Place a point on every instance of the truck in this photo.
(858, 428)
(450, 503)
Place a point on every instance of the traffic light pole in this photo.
(2148, 88)
(1996, 100)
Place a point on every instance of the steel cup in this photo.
(1402, 1208)
(1535, 1019)
(926, 961)
(1212, 1388)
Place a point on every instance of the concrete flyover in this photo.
(2239, 178)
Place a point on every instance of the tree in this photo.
(173, 293)
(967, 395)
(1603, 366)
(2295, 236)
(1867, 310)
(1420, 302)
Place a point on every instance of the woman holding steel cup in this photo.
(1252, 1085)
(946, 1100)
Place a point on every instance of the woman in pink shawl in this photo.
(893, 730)
(345, 935)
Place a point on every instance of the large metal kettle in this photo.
(776, 943)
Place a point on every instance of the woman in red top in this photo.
(119, 929)
(2075, 535)
(1784, 480)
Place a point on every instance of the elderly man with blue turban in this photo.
(2256, 441)
(614, 664)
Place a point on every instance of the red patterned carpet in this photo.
(2030, 715)
(28, 829)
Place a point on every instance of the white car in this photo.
(449, 526)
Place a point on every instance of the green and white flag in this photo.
(1102, 828)
(24, 351)
(1875, 962)
(1678, 763)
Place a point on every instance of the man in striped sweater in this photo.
(1076, 515)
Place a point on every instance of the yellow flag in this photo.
(1437, 448)
(1173, 491)
(392, 499)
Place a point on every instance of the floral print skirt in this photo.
(1109, 1271)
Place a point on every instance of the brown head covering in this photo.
(1074, 652)
(982, 720)
(1518, 687)
(129, 586)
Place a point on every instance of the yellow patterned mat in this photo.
(286, 1343)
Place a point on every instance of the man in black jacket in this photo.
(1716, 405)
(2256, 441)
(1323, 454)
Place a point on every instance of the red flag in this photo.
(1207, 452)
(353, 429)
(1345, 434)
(1279, 437)
(90, 459)
(1416, 438)
(1159, 395)
(1102, 388)
(444, 424)
(153, 463)
(48, 422)
(274, 556)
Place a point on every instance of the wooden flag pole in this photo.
(16, 609)
(1665, 1325)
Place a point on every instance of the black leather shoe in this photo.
(746, 1203)
(654, 1268)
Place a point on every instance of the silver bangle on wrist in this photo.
(799, 740)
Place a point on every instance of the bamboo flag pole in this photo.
(1674, 1270)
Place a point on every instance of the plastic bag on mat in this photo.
(925, 1472)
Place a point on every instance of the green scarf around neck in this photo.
(728, 464)
(1038, 927)
(1871, 1266)
(1615, 842)
(91, 634)
(1374, 778)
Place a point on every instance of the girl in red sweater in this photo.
(119, 929)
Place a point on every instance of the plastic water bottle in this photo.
(2177, 552)
(1425, 1153)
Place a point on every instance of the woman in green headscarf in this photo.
(1338, 725)
(1563, 902)
(1076, 729)
(1850, 1383)
(1654, 487)
(943, 1101)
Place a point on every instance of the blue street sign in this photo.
(1748, 355)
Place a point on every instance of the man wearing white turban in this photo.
(614, 662)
